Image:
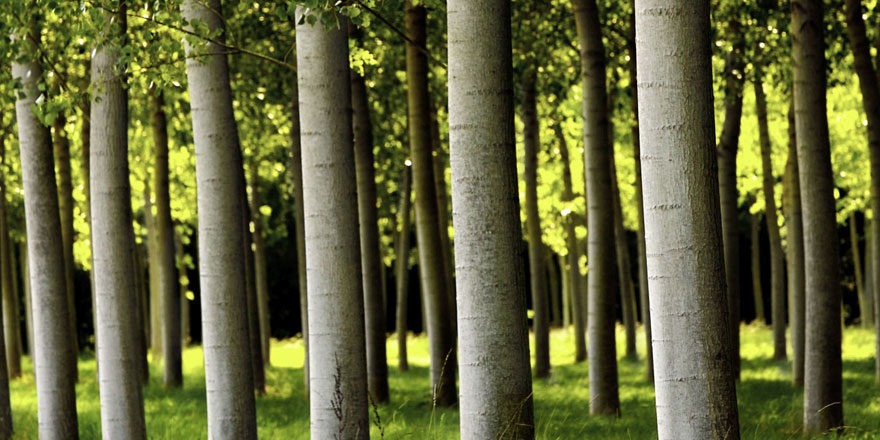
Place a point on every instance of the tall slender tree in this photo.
(166, 275)
(794, 254)
(537, 270)
(11, 323)
(441, 333)
(228, 370)
(53, 355)
(604, 397)
(261, 275)
(401, 266)
(338, 382)
(823, 386)
(496, 386)
(61, 145)
(728, 147)
(119, 371)
(777, 257)
(696, 398)
(371, 261)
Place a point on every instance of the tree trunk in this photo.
(777, 256)
(795, 255)
(229, 374)
(621, 251)
(443, 218)
(554, 287)
(697, 398)
(119, 372)
(53, 354)
(496, 386)
(868, 276)
(5, 372)
(250, 288)
(261, 277)
(85, 142)
(65, 210)
(823, 393)
(868, 83)
(604, 398)
(857, 263)
(11, 323)
(643, 266)
(566, 293)
(757, 289)
(401, 266)
(166, 275)
(336, 327)
(537, 267)
(299, 223)
(441, 333)
(575, 293)
(728, 145)
(139, 313)
(371, 260)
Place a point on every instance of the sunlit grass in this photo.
(770, 408)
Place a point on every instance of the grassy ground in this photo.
(769, 407)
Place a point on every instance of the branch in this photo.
(400, 33)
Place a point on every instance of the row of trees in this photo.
(344, 164)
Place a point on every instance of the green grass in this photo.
(770, 408)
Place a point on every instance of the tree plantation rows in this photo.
(183, 172)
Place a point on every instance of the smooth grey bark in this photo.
(56, 411)
(152, 294)
(604, 397)
(728, 146)
(11, 323)
(537, 266)
(119, 374)
(777, 256)
(164, 267)
(632, 66)
(229, 374)
(795, 255)
(371, 260)
(401, 266)
(621, 251)
(441, 331)
(496, 385)
(295, 170)
(823, 386)
(61, 146)
(868, 83)
(572, 301)
(337, 358)
(443, 217)
(696, 395)
(261, 276)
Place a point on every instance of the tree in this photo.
(695, 398)
(868, 83)
(757, 289)
(337, 359)
(441, 334)
(52, 351)
(166, 275)
(496, 387)
(777, 257)
(604, 398)
(11, 323)
(537, 270)
(261, 277)
(401, 266)
(228, 370)
(795, 255)
(632, 67)
(371, 263)
(728, 146)
(823, 387)
(61, 146)
(122, 407)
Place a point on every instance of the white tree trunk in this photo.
(53, 355)
(337, 358)
(496, 386)
(696, 396)
(122, 408)
(228, 370)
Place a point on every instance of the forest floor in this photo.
(770, 408)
